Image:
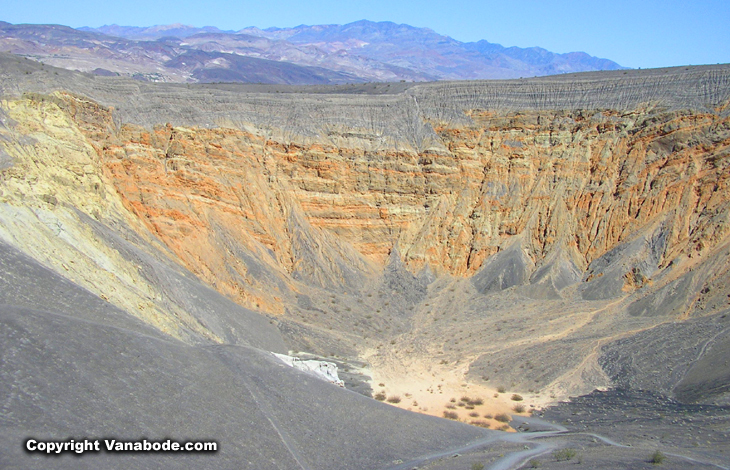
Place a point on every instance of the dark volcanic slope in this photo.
(75, 366)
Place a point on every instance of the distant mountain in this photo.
(153, 32)
(356, 52)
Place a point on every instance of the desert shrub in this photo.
(461, 403)
(488, 416)
(657, 458)
(503, 427)
(501, 390)
(394, 399)
(480, 423)
(453, 400)
(469, 407)
(516, 397)
(502, 418)
(564, 454)
(476, 402)
(451, 406)
(465, 399)
(519, 408)
(380, 396)
(474, 414)
(451, 415)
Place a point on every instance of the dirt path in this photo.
(536, 444)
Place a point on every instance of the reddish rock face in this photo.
(581, 182)
(541, 231)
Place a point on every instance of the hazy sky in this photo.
(634, 33)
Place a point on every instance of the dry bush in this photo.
(516, 397)
(657, 458)
(394, 399)
(451, 415)
(564, 454)
(502, 418)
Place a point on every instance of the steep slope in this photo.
(88, 369)
(112, 337)
(547, 236)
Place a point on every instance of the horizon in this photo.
(650, 35)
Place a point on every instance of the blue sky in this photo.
(635, 33)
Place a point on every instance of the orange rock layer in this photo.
(582, 181)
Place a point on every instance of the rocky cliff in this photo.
(451, 227)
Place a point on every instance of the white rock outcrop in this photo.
(323, 370)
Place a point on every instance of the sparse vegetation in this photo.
(517, 397)
(474, 414)
(502, 417)
(476, 402)
(394, 399)
(451, 415)
(380, 396)
(501, 390)
(480, 423)
(564, 454)
(657, 458)
(519, 408)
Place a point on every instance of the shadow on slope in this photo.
(74, 366)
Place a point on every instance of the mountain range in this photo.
(363, 51)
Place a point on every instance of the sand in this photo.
(434, 389)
